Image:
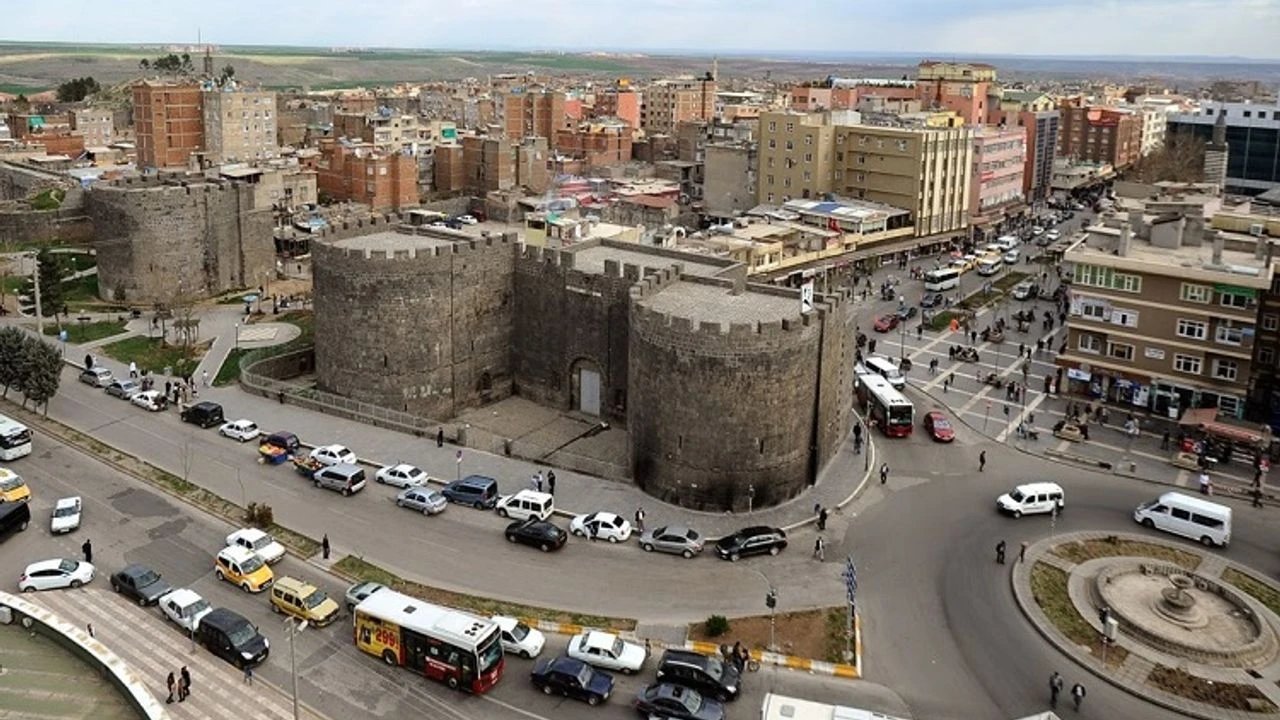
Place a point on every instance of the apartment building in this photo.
(95, 124)
(729, 178)
(598, 143)
(1099, 134)
(667, 103)
(239, 125)
(168, 120)
(995, 187)
(359, 172)
(385, 128)
(797, 154)
(525, 113)
(1164, 310)
(622, 103)
(960, 87)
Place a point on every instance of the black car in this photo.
(205, 414)
(676, 702)
(751, 541)
(572, 678)
(230, 636)
(140, 583)
(538, 533)
(907, 313)
(931, 300)
(284, 440)
(707, 674)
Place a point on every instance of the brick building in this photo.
(599, 143)
(360, 173)
(667, 103)
(525, 113)
(1099, 134)
(168, 120)
(960, 87)
(622, 103)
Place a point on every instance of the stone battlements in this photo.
(506, 242)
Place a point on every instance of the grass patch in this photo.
(1009, 280)
(1260, 591)
(1049, 588)
(88, 332)
(48, 199)
(1229, 696)
(152, 355)
(817, 634)
(941, 320)
(360, 570)
(83, 289)
(230, 370)
(80, 261)
(1079, 552)
(299, 543)
(980, 299)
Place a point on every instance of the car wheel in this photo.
(646, 547)
(723, 696)
(1206, 541)
(29, 589)
(1149, 524)
(546, 690)
(219, 574)
(399, 503)
(115, 587)
(734, 557)
(526, 654)
(346, 492)
(502, 512)
(593, 700)
(687, 554)
(544, 547)
(774, 550)
(390, 658)
(426, 510)
(577, 533)
(628, 671)
(276, 609)
(317, 483)
(142, 602)
(77, 583)
(511, 538)
(613, 539)
(478, 505)
(1017, 514)
(453, 683)
(245, 586)
(380, 480)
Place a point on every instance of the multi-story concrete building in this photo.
(729, 184)
(360, 173)
(95, 124)
(960, 87)
(797, 153)
(667, 103)
(598, 143)
(168, 120)
(488, 164)
(239, 125)
(525, 113)
(1253, 134)
(1005, 105)
(995, 188)
(1099, 134)
(1154, 126)
(1164, 310)
(620, 102)
(386, 129)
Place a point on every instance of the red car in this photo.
(885, 323)
(939, 427)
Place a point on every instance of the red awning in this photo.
(1206, 419)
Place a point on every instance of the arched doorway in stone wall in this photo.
(586, 386)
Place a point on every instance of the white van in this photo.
(1203, 521)
(1032, 498)
(989, 266)
(1007, 242)
(885, 368)
(526, 504)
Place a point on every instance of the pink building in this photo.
(999, 159)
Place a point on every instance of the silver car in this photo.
(124, 389)
(358, 592)
(425, 500)
(674, 539)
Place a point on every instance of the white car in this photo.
(518, 638)
(66, 515)
(467, 219)
(259, 543)
(242, 430)
(402, 475)
(153, 400)
(333, 455)
(608, 651)
(53, 574)
(1037, 230)
(185, 608)
(601, 526)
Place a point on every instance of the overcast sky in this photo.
(1246, 28)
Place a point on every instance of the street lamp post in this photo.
(771, 602)
(293, 628)
(751, 498)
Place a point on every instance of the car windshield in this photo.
(241, 634)
(520, 632)
(146, 578)
(617, 647)
(13, 482)
(314, 600)
(584, 675)
(196, 607)
(250, 564)
(67, 566)
(66, 511)
(248, 427)
(689, 698)
(1016, 495)
(941, 424)
(715, 668)
(412, 472)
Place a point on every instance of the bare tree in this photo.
(1180, 159)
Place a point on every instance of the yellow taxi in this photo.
(12, 487)
(242, 568)
(303, 600)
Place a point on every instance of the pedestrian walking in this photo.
(1000, 546)
(184, 685)
(1022, 552)
(551, 482)
(822, 519)
(1022, 349)
(640, 519)
(857, 431)
(819, 549)
(324, 546)
(920, 332)
(1257, 496)
(857, 445)
(1164, 440)
(537, 481)
(172, 683)
(89, 628)
(946, 383)
(884, 473)
(1077, 695)
(88, 361)
(933, 366)
(439, 437)
(87, 549)
(1204, 484)
(1055, 687)
(248, 674)
(204, 377)
(982, 461)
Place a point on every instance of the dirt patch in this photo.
(816, 634)
(1260, 591)
(1049, 588)
(1083, 551)
(1228, 696)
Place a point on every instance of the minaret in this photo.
(1216, 152)
(715, 68)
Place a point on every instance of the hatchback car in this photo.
(424, 500)
(608, 651)
(333, 455)
(756, 540)
(243, 569)
(123, 389)
(402, 475)
(939, 427)
(242, 430)
(885, 323)
(259, 543)
(97, 376)
(677, 702)
(601, 526)
(908, 312)
(931, 300)
(153, 400)
(358, 592)
(140, 583)
(572, 678)
(518, 638)
(707, 674)
(537, 533)
(54, 574)
(66, 515)
(184, 608)
(674, 539)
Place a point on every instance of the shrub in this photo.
(259, 515)
(717, 625)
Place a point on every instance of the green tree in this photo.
(144, 64)
(228, 73)
(11, 348)
(77, 89)
(52, 270)
(42, 371)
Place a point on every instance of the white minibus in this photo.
(1206, 522)
(942, 279)
(885, 368)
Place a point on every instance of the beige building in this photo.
(796, 154)
(239, 125)
(95, 124)
(729, 178)
(1163, 309)
(667, 103)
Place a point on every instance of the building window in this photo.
(773, 143)
(1105, 277)
(861, 177)
(808, 176)
(790, 145)
(1192, 329)
(1196, 293)
(840, 139)
(770, 162)
(1189, 364)
(1266, 356)
(1225, 369)
(1091, 344)
(862, 140)
(1270, 322)
(808, 139)
(839, 156)
(1228, 334)
(1127, 318)
(862, 159)
(770, 198)
(786, 182)
(902, 145)
(1233, 300)
(1229, 405)
(791, 127)
(1093, 310)
(1120, 351)
(769, 180)
(808, 157)
(773, 127)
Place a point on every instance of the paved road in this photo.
(129, 522)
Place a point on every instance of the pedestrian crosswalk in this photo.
(153, 648)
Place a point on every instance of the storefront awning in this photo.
(1206, 419)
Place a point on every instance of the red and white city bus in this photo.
(887, 408)
(448, 646)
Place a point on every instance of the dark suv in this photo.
(478, 491)
(751, 541)
(205, 414)
(704, 673)
(140, 583)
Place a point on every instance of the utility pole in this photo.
(35, 279)
(294, 627)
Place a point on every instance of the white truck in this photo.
(781, 707)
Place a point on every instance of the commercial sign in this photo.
(1235, 290)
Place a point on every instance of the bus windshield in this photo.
(900, 415)
(490, 653)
